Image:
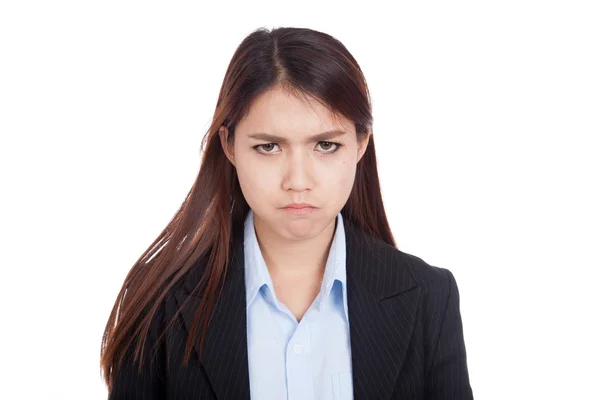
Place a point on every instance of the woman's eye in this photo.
(267, 147)
(328, 146)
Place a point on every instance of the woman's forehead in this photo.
(280, 112)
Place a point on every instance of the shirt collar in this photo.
(257, 274)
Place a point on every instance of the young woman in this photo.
(279, 278)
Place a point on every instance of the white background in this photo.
(487, 120)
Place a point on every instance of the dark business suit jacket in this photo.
(405, 331)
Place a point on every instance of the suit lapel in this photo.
(225, 356)
(382, 305)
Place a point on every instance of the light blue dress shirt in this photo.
(294, 360)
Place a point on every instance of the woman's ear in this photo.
(362, 146)
(227, 144)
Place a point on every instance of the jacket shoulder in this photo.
(433, 279)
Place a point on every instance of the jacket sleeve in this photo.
(448, 377)
(150, 383)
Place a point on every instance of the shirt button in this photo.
(297, 349)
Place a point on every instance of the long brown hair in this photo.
(304, 61)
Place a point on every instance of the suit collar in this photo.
(382, 305)
(382, 300)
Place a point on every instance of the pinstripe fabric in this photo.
(405, 332)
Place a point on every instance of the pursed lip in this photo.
(299, 205)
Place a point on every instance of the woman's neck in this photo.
(304, 259)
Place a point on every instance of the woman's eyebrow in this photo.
(323, 136)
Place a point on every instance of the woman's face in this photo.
(278, 162)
